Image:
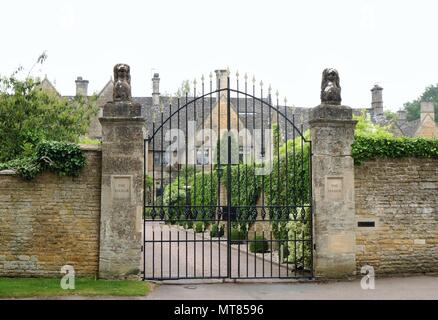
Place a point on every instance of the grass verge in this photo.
(37, 287)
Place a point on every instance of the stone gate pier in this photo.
(122, 181)
(332, 132)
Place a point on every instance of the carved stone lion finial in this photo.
(330, 87)
(122, 82)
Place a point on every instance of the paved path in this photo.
(418, 287)
(173, 252)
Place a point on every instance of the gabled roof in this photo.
(48, 86)
(108, 88)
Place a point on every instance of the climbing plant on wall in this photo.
(64, 158)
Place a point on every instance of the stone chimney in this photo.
(222, 82)
(377, 101)
(81, 87)
(427, 109)
(156, 89)
(401, 115)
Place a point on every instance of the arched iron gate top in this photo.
(205, 95)
(184, 232)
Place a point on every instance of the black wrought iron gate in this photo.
(227, 186)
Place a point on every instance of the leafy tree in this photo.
(412, 108)
(29, 115)
(183, 89)
(366, 128)
(389, 115)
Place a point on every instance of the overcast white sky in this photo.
(285, 43)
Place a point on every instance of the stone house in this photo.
(423, 127)
(210, 112)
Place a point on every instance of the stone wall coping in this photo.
(332, 121)
(8, 172)
(90, 147)
(122, 119)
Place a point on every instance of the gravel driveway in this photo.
(179, 253)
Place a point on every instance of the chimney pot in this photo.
(377, 100)
(401, 115)
(81, 87)
(156, 89)
(427, 108)
(222, 82)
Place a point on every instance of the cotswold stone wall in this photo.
(400, 198)
(51, 221)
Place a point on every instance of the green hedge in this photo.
(364, 148)
(64, 158)
(199, 227)
(237, 235)
(288, 186)
(259, 244)
(299, 233)
(203, 195)
(200, 194)
(245, 190)
(217, 230)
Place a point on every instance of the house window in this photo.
(161, 158)
(202, 156)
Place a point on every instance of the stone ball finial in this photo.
(122, 82)
(330, 87)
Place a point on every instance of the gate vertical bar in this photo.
(229, 177)
(145, 166)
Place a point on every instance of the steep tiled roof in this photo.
(409, 127)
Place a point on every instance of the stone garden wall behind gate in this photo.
(51, 221)
(400, 196)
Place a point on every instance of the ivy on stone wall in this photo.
(364, 148)
(64, 158)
